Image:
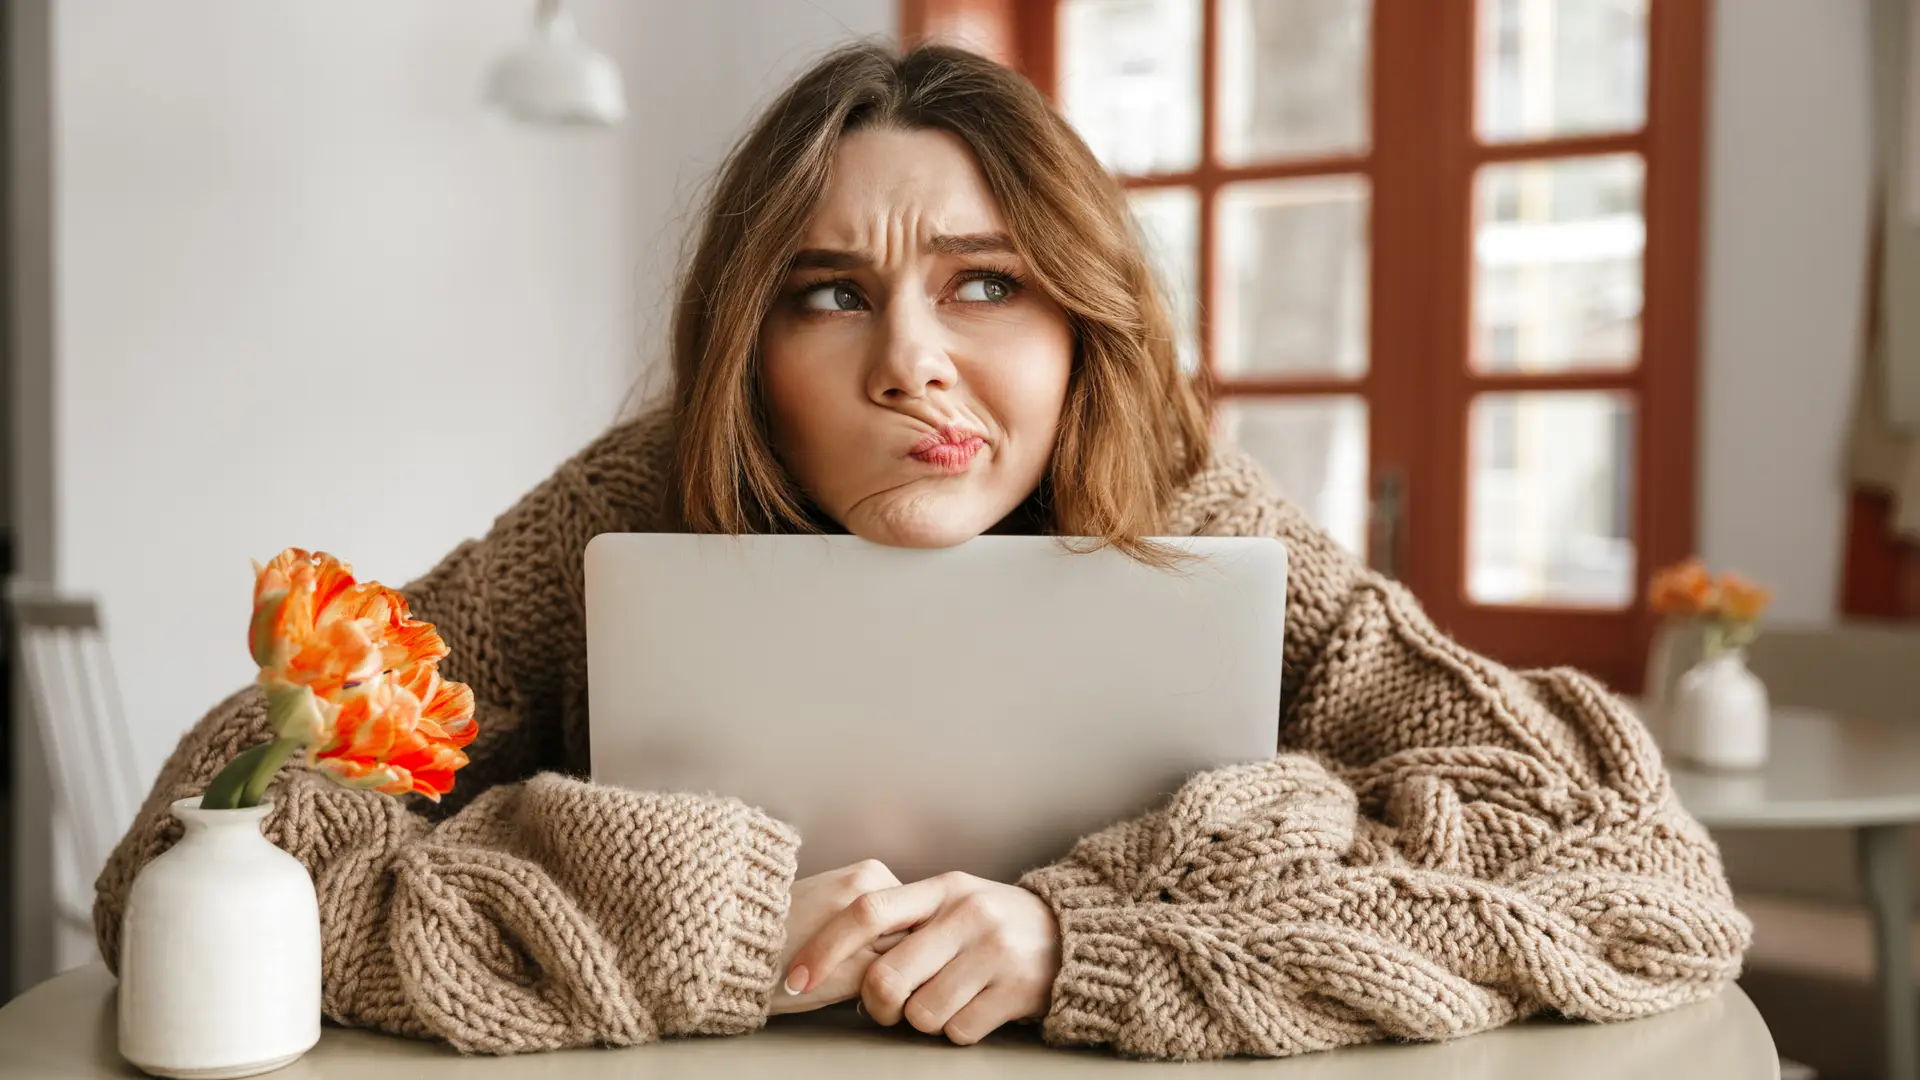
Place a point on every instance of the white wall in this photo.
(308, 294)
(1787, 202)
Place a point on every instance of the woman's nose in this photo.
(911, 360)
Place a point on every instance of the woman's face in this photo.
(914, 377)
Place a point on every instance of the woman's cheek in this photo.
(1033, 374)
(805, 375)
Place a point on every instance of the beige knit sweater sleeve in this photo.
(544, 912)
(1442, 845)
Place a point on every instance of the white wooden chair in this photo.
(75, 706)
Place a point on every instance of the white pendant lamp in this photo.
(555, 80)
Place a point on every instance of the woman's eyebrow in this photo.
(989, 243)
(826, 259)
(992, 243)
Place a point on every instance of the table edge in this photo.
(1739, 1002)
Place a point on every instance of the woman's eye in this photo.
(985, 290)
(832, 296)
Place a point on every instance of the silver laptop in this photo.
(976, 708)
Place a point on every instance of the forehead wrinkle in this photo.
(883, 236)
(890, 212)
(902, 226)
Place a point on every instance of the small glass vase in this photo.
(219, 953)
(1718, 714)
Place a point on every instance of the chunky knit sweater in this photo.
(1440, 846)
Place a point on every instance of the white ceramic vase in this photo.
(1718, 714)
(219, 953)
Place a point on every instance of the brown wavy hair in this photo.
(1134, 427)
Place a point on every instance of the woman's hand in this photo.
(814, 900)
(977, 954)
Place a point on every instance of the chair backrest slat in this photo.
(51, 691)
(123, 768)
(94, 767)
(108, 748)
(50, 612)
(76, 708)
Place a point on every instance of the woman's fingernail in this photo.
(796, 980)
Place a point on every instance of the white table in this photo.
(1826, 771)
(64, 1029)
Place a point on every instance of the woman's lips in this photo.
(949, 450)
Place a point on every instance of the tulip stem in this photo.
(278, 751)
(225, 790)
(245, 779)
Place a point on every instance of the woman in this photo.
(916, 312)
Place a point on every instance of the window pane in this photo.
(1557, 273)
(1550, 68)
(1170, 224)
(1130, 81)
(1293, 78)
(1550, 500)
(1293, 270)
(1315, 448)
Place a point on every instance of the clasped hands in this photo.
(955, 954)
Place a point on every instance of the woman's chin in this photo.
(922, 523)
(928, 536)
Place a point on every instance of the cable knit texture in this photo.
(1440, 846)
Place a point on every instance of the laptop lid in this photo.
(975, 708)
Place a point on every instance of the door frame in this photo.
(27, 344)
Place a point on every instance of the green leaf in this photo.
(227, 788)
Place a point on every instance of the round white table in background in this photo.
(1825, 771)
(64, 1029)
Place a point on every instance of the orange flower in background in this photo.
(1683, 590)
(1727, 611)
(1741, 600)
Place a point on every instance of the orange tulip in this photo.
(446, 708)
(1685, 590)
(383, 738)
(404, 641)
(315, 626)
(365, 729)
(1742, 600)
